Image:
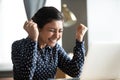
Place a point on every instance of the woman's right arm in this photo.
(24, 57)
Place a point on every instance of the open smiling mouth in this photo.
(52, 40)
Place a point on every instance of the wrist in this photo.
(79, 38)
(33, 38)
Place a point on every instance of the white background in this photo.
(102, 61)
(12, 18)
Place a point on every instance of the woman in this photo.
(38, 56)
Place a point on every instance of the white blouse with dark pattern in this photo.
(32, 63)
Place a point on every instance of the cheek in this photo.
(44, 35)
(48, 35)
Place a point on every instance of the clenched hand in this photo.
(80, 32)
(32, 30)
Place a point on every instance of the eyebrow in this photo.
(55, 28)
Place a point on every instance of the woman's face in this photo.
(51, 33)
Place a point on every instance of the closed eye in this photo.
(52, 30)
(61, 30)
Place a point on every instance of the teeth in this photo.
(52, 40)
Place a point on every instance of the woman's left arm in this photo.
(73, 67)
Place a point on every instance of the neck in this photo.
(41, 44)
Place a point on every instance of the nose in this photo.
(57, 34)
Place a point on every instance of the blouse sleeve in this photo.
(24, 56)
(72, 67)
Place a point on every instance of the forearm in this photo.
(78, 59)
(73, 67)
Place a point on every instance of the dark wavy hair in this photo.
(45, 15)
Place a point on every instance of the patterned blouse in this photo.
(32, 63)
